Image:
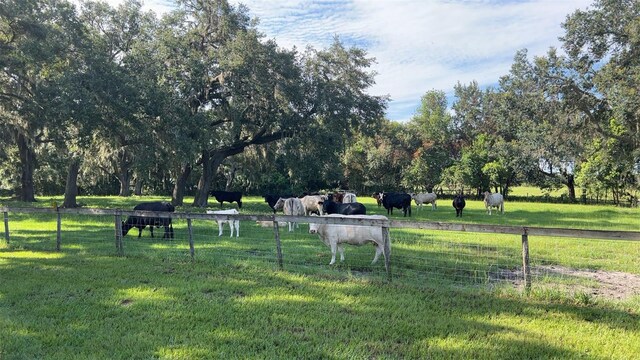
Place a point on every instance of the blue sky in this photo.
(419, 45)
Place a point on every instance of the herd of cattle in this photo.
(337, 204)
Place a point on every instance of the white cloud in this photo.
(422, 45)
(419, 45)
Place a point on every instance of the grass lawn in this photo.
(233, 302)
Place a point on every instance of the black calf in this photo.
(459, 204)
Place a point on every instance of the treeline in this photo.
(107, 100)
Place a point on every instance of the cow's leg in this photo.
(151, 229)
(341, 250)
(219, 227)
(140, 231)
(334, 247)
(378, 252)
(237, 225)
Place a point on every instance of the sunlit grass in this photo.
(157, 302)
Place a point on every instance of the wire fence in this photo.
(421, 252)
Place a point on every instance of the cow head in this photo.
(125, 228)
(313, 228)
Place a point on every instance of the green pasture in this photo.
(233, 302)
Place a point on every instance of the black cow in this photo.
(397, 200)
(459, 204)
(273, 199)
(228, 196)
(332, 207)
(141, 222)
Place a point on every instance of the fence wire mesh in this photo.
(417, 256)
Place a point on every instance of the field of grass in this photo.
(233, 302)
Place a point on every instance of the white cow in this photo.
(293, 206)
(335, 235)
(493, 201)
(425, 198)
(232, 223)
(349, 198)
(279, 205)
(313, 203)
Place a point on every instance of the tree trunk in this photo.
(231, 175)
(27, 165)
(571, 186)
(209, 168)
(71, 188)
(177, 197)
(125, 183)
(138, 187)
(202, 191)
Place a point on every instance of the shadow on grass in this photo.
(80, 306)
(230, 301)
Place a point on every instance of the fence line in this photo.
(523, 231)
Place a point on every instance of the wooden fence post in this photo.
(387, 251)
(6, 227)
(58, 230)
(276, 230)
(191, 248)
(118, 220)
(526, 270)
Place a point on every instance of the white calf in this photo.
(232, 223)
(335, 235)
(493, 201)
(294, 207)
(425, 198)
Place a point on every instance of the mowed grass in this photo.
(233, 302)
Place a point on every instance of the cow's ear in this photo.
(320, 202)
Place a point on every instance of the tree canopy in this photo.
(102, 100)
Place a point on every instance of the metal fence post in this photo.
(191, 248)
(118, 220)
(6, 227)
(387, 251)
(276, 231)
(526, 270)
(58, 232)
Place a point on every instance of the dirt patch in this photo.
(599, 283)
